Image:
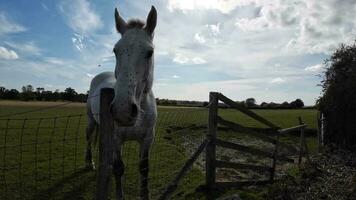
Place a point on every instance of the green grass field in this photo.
(44, 158)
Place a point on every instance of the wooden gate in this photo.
(212, 163)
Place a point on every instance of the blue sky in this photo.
(271, 50)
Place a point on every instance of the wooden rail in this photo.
(187, 166)
(246, 111)
(226, 164)
(261, 136)
(250, 150)
(239, 184)
(291, 129)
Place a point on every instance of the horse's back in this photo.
(102, 80)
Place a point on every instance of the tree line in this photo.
(29, 93)
(248, 103)
(251, 103)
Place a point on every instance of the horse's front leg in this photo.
(144, 157)
(118, 169)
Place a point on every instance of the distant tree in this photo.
(2, 92)
(298, 103)
(47, 96)
(338, 101)
(205, 104)
(81, 97)
(285, 105)
(39, 90)
(27, 93)
(38, 93)
(263, 104)
(56, 95)
(272, 105)
(250, 102)
(69, 94)
(12, 94)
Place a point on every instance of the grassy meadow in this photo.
(42, 152)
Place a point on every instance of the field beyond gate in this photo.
(42, 154)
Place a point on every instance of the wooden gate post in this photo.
(210, 165)
(303, 144)
(106, 144)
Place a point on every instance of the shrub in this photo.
(338, 102)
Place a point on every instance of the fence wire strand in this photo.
(48, 154)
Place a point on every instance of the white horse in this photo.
(133, 107)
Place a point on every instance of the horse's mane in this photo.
(135, 23)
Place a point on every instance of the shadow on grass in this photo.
(79, 185)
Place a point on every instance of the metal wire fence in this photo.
(44, 157)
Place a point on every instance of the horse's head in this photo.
(134, 67)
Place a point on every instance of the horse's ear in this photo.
(151, 21)
(121, 25)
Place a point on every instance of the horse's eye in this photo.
(149, 54)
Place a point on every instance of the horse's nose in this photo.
(134, 110)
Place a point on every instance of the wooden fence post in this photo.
(210, 165)
(303, 144)
(274, 161)
(322, 129)
(106, 145)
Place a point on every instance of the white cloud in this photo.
(7, 54)
(80, 16)
(26, 47)
(215, 29)
(255, 24)
(314, 26)
(198, 37)
(273, 14)
(315, 68)
(278, 80)
(175, 76)
(324, 25)
(7, 26)
(54, 60)
(208, 34)
(180, 59)
(224, 6)
(198, 60)
(90, 75)
(44, 7)
(77, 41)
